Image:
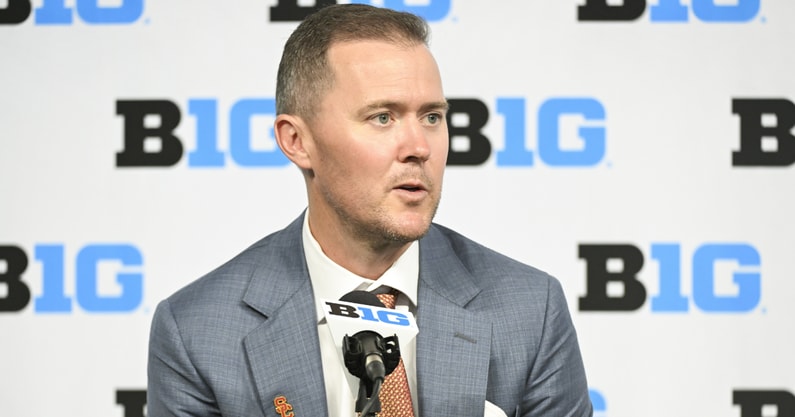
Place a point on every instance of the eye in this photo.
(382, 118)
(434, 118)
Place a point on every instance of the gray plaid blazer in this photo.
(242, 340)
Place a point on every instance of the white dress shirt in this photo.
(330, 281)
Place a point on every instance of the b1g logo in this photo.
(766, 138)
(613, 285)
(360, 312)
(91, 286)
(469, 146)
(150, 141)
(761, 403)
(56, 12)
(669, 11)
(291, 11)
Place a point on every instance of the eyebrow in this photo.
(442, 106)
(438, 105)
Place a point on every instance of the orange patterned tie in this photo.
(395, 395)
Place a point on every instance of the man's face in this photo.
(379, 143)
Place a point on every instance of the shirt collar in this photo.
(331, 281)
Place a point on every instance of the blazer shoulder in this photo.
(487, 267)
(272, 256)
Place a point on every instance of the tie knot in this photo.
(388, 299)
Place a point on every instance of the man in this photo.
(361, 112)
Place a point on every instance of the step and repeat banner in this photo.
(642, 151)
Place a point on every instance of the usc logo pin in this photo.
(283, 407)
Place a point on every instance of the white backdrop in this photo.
(665, 184)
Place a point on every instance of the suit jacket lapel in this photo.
(454, 344)
(283, 352)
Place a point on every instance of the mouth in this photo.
(412, 187)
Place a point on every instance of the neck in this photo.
(364, 257)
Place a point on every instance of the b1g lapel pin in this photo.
(283, 407)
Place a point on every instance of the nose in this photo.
(414, 144)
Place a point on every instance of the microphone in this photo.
(367, 354)
(356, 323)
(364, 354)
(364, 351)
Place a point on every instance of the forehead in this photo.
(375, 65)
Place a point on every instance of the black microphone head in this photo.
(362, 297)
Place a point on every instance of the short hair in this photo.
(304, 72)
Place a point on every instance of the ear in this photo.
(293, 136)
